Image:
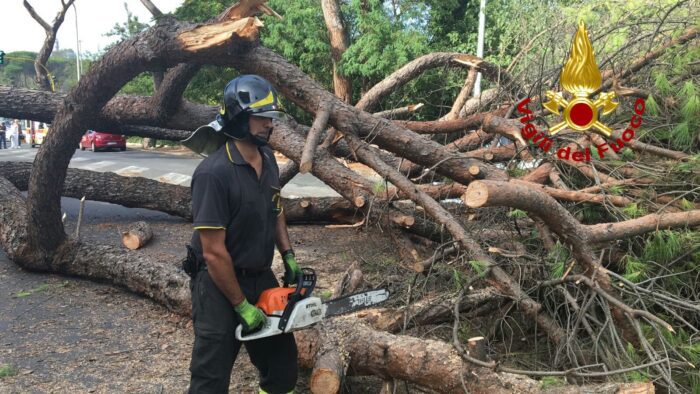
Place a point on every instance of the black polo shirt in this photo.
(227, 195)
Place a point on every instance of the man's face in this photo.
(260, 127)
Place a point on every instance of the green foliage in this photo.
(635, 270)
(634, 210)
(7, 370)
(131, 27)
(479, 266)
(662, 84)
(627, 154)
(557, 258)
(549, 382)
(19, 69)
(616, 190)
(652, 107)
(379, 187)
(380, 44)
(517, 214)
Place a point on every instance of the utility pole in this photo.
(480, 45)
(78, 66)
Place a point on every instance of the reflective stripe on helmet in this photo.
(266, 101)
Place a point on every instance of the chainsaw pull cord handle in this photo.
(306, 282)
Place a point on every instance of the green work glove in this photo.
(251, 317)
(291, 269)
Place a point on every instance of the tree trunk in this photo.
(339, 44)
(137, 235)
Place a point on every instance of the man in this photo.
(238, 219)
(3, 130)
(14, 134)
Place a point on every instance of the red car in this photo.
(96, 140)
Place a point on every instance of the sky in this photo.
(19, 31)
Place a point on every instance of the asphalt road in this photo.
(163, 167)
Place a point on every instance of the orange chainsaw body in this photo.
(273, 301)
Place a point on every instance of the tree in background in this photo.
(40, 65)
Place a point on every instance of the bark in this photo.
(133, 192)
(470, 141)
(308, 94)
(604, 232)
(40, 64)
(425, 362)
(152, 8)
(163, 282)
(137, 235)
(428, 311)
(320, 210)
(313, 138)
(443, 126)
(518, 194)
(416, 67)
(339, 44)
(476, 347)
(463, 95)
(478, 104)
(169, 41)
(642, 147)
(497, 276)
(350, 282)
(608, 77)
(397, 112)
(287, 172)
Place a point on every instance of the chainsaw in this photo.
(290, 309)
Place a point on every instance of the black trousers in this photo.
(3, 142)
(216, 347)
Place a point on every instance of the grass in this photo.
(551, 381)
(7, 370)
(41, 288)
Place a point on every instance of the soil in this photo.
(66, 334)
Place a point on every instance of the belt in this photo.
(249, 272)
(242, 272)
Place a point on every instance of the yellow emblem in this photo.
(581, 77)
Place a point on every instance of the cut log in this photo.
(314, 136)
(476, 347)
(137, 235)
(328, 372)
(402, 220)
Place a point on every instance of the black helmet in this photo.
(243, 96)
(252, 95)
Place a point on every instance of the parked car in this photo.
(95, 140)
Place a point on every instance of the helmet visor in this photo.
(277, 115)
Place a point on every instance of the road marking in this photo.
(27, 155)
(95, 166)
(175, 179)
(131, 171)
(77, 159)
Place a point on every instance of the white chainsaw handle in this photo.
(270, 328)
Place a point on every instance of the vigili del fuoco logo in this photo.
(581, 78)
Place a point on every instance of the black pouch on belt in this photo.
(190, 265)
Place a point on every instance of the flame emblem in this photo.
(581, 77)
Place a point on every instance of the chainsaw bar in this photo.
(353, 302)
